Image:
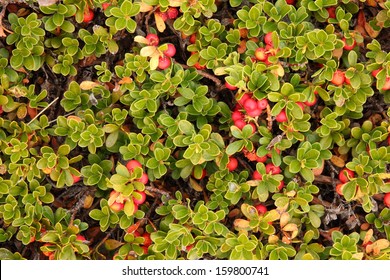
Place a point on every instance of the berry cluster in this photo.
(165, 57)
(117, 200)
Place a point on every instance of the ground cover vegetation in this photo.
(201, 129)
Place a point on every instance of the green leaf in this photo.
(307, 174)
(235, 147)
(295, 166)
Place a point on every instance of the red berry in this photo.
(311, 103)
(260, 54)
(332, 11)
(88, 15)
(257, 176)
(192, 39)
(189, 247)
(237, 116)
(153, 39)
(281, 117)
(147, 239)
(131, 164)
(198, 66)
(254, 113)
(135, 208)
(281, 185)
(144, 178)
(1, 109)
(145, 250)
(141, 200)
(268, 39)
(387, 84)
(250, 105)
(76, 179)
(300, 104)
(261, 209)
(261, 159)
(232, 164)
(338, 78)
(172, 12)
(80, 237)
(229, 86)
(164, 62)
(244, 98)
(290, 2)
(240, 123)
(170, 51)
(386, 200)
(339, 189)
(349, 47)
(105, 6)
(204, 174)
(117, 206)
(254, 128)
(374, 73)
(345, 175)
(270, 168)
(262, 104)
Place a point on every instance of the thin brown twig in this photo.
(147, 18)
(217, 82)
(153, 189)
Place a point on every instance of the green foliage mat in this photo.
(202, 129)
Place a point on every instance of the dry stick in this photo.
(325, 180)
(153, 189)
(40, 113)
(2, 13)
(105, 238)
(148, 17)
(206, 75)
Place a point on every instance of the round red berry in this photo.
(349, 47)
(131, 164)
(88, 15)
(240, 123)
(339, 189)
(345, 175)
(261, 209)
(257, 176)
(268, 39)
(153, 39)
(170, 51)
(260, 54)
(338, 78)
(229, 86)
(262, 104)
(332, 11)
(147, 239)
(141, 200)
(386, 199)
(172, 12)
(232, 164)
(250, 105)
(144, 178)
(311, 103)
(76, 179)
(270, 168)
(164, 62)
(198, 66)
(281, 117)
(236, 115)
